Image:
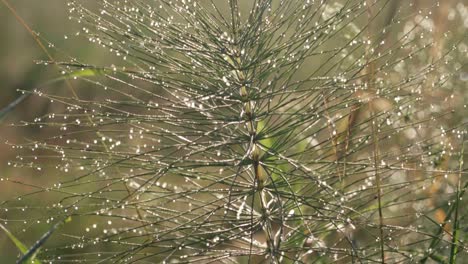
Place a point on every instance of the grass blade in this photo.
(455, 233)
(12, 105)
(35, 248)
(18, 244)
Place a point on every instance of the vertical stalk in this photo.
(370, 70)
(378, 183)
(234, 58)
(235, 18)
(455, 233)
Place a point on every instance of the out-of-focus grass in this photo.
(19, 71)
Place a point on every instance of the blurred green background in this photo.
(20, 69)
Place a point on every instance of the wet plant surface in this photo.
(260, 131)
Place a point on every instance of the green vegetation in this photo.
(266, 131)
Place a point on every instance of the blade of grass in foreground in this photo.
(455, 233)
(12, 105)
(35, 248)
(19, 244)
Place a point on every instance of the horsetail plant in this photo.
(265, 131)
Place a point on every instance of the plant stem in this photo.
(454, 248)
